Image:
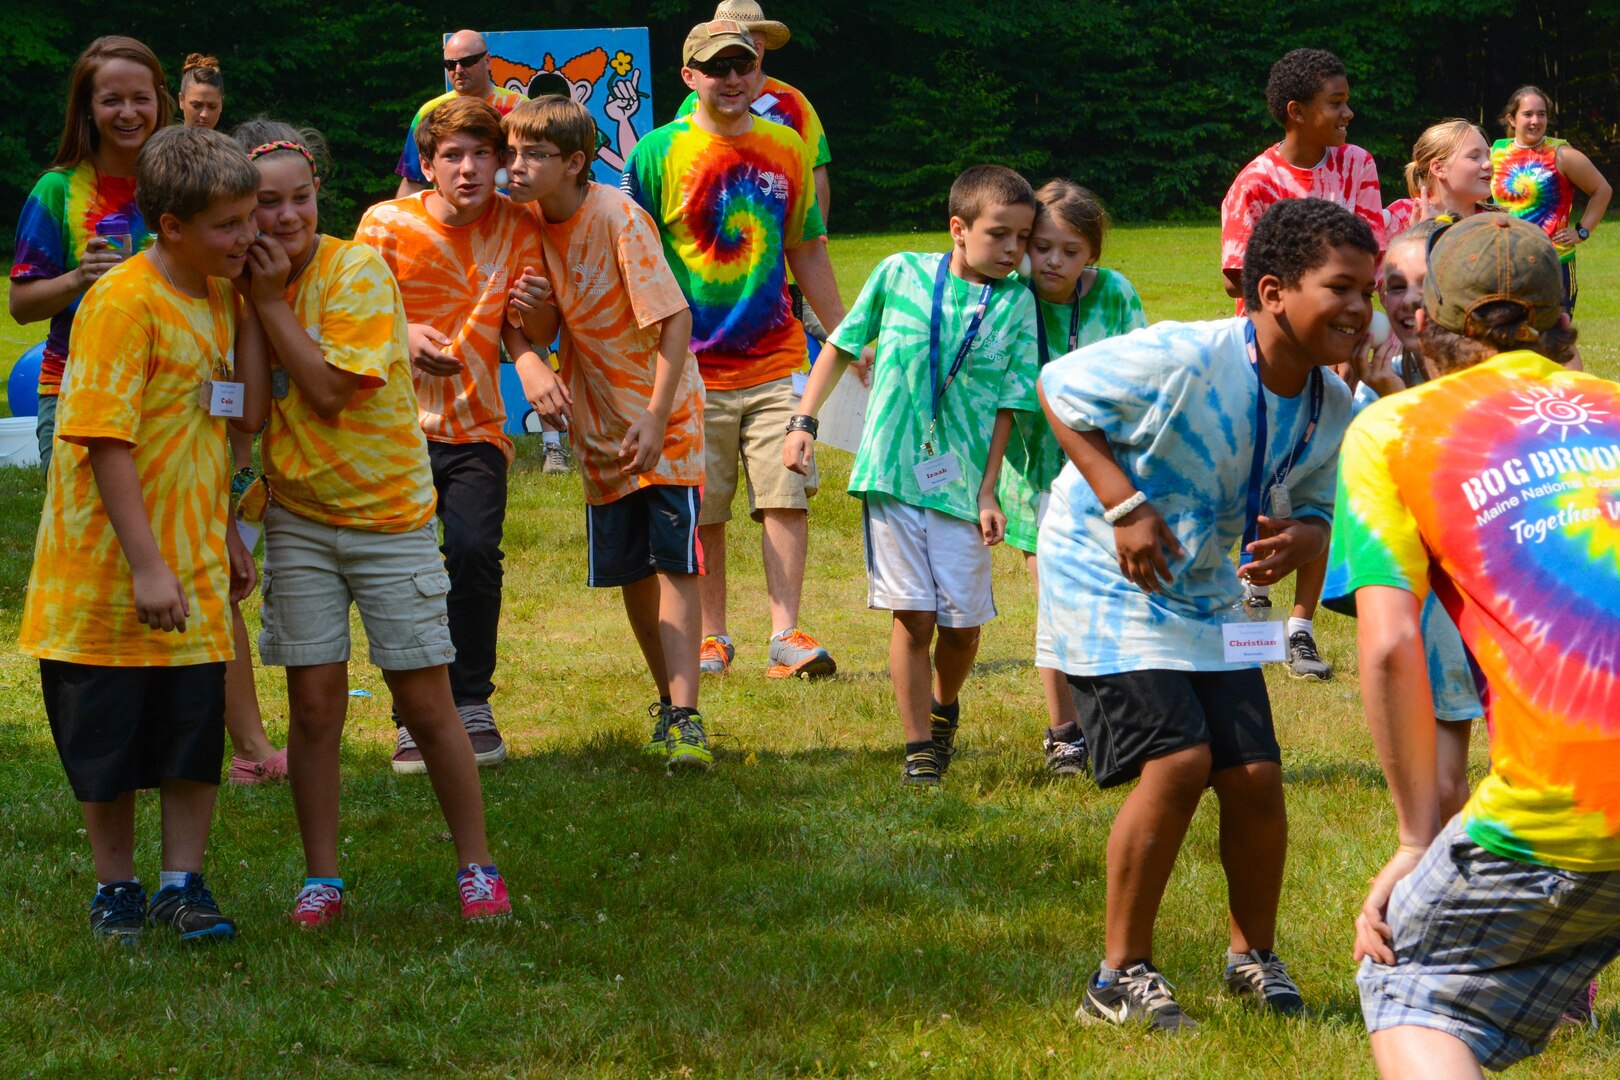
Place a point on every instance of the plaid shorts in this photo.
(1490, 949)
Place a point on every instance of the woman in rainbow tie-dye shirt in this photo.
(1535, 176)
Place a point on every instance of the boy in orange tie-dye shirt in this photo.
(135, 564)
(455, 250)
(633, 401)
(349, 520)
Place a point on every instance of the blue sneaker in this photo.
(118, 913)
(189, 908)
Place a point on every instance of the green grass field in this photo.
(794, 913)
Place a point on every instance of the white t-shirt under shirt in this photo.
(1177, 404)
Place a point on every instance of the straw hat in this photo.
(754, 21)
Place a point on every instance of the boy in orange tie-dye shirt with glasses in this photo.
(632, 395)
(456, 249)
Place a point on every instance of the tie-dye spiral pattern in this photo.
(790, 108)
(728, 209)
(1525, 182)
(1499, 487)
(58, 221)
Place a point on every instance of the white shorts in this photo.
(922, 560)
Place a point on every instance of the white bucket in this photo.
(18, 443)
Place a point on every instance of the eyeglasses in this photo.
(535, 156)
(721, 66)
(451, 63)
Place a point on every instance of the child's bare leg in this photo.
(713, 539)
(1060, 710)
(188, 810)
(680, 626)
(1142, 848)
(243, 721)
(909, 672)
(1451, 764)
(954, 654)
(1308, 582)
(318, 703)
(1254, 845)
(641, 607)
(429, 714)
(110, 827)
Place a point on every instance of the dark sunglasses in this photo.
(721, 66)
(464, 61)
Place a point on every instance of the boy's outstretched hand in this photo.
(528, 294)
(427, 351)
(160, 603)
(798, 451)
(1141, 543)
(643, 444)
(1284, 546)
(992, 522)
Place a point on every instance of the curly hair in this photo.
(201, 69)
(1296, 236)
(1300, 76)
(1499, 326)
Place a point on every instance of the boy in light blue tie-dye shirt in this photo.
(1183, 438)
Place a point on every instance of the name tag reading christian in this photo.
(222, 398)
(1253, 642)
(936, 472)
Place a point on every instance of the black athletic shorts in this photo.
(121, 729)
(1135, 716)
(653, 528)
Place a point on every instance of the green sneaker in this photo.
(658, 744)
(688, 745)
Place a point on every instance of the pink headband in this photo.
(284, 144)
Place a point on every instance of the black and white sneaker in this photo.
(190, 909)
(1262, 977)
(922, 768)
(1139, 996)
(1065, 758)
(943, 721)
(1304, 662)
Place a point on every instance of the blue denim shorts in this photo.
(1490, 949)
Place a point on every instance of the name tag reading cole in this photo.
(221, 398)
(936, 472)
(1253, 642)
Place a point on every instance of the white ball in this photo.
(502, 178)
(1379, 328)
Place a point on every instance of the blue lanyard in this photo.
(1040, 326)
(1251, 520)
(934, 319)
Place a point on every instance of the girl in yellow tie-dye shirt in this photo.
(348, 510)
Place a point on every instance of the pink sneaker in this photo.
(483, 895)
(273, 767)
(317, 905)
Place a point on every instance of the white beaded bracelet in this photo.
(1124, 508)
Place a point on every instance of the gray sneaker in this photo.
(489, 749)
(1139, 996)
(557, 461)
(1303, 659)
(795, 654)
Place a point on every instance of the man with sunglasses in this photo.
(466, 65)
(1497, 487)
(734, 198)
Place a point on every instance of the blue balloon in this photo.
(22, 388)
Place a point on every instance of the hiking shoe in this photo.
(943, 721)
(1065, 758)
(189, 907)
(922, 768)
(1262, 976)
(489, 749)
(317, 905)
(556, 461)
(1303, 660)
(1139, 995)
(794, 652)
(1582, 1011)
(658, 744)
(715, 655)
(483, 895)
(407, 758)
(245, 771)
(688, 745)
(118, 912)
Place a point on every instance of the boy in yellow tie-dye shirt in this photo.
(349, 520)
(127, 605)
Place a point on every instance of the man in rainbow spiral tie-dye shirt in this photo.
(1496, 485)
(733, 197)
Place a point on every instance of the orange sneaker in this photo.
(715, 655)
(793, 652)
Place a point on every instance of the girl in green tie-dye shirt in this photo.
(1079, 303)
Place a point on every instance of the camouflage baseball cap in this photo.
(1488, 258)
(707, 39)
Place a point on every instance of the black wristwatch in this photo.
(802, 422)
(1582, 231)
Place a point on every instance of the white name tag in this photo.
(764, 103)
(936, 472)
(222, 398)
(1250, 642)
(801, 380)
(1042, 505)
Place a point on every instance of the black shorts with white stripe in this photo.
(651, 530)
